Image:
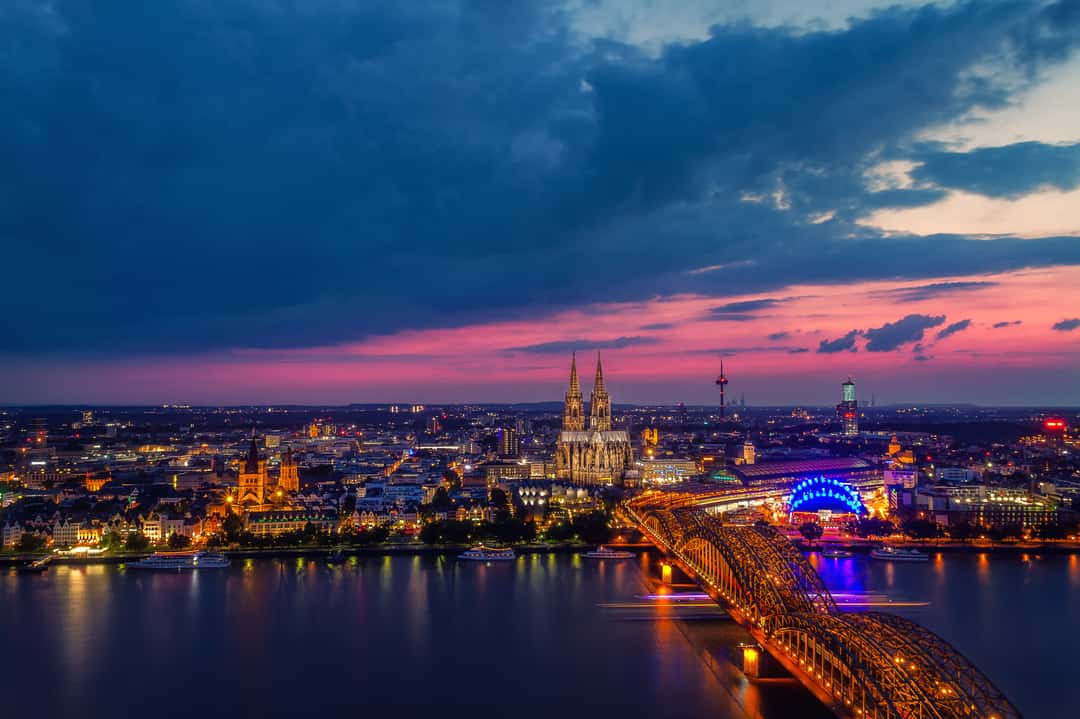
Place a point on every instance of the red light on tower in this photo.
(1054, 424)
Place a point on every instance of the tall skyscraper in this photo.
(509, 444)
(848, 409)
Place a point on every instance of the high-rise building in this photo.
(598, 454)
(88, 418)
(1054, 431)
(509, 444)
(848, 409)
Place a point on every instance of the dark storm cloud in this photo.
(892, 335)
(1010, 171)
(953, 329)
(565, 346)
(934, 290)
(845, 343)
(1067, 325)
(190, 176)
(999, 325)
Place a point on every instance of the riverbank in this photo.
(948, 547)
(386, 549)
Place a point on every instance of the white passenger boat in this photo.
(836, 553)
(898, 554)
(603, 552)
(481, 553)
(181, 561)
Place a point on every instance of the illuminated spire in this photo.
(574, 386)
(599, 402)
(574, 405)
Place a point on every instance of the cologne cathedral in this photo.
(597, 454)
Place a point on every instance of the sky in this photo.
(338, 201)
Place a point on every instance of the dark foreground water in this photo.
(546, 635)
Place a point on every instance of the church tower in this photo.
(574, 404)
(599, 403)
(252, 483)
(289, 479)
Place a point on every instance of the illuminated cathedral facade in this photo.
(595, 454)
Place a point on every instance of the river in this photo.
(428, 636)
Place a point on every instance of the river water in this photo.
(547, 634)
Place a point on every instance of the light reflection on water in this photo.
(1016, 616)
(305, 637)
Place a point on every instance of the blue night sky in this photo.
(335, 201)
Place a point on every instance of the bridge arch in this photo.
(873, 665)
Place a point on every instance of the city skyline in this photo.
(438, 203)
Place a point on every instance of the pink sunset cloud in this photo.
(662, 350)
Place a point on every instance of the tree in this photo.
(112, 541)
(811, 531)
(136, 542)
(451, 479)
(30, 542)
(873, 527)
(232, 526)
(441, 501)
(963, 531)
(921, 529)
(592, 527)
(560, 532)
(178, 541)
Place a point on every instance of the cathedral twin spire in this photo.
(599, 402)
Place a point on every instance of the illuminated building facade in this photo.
(251, 484)
(509, 444)
(597, 454)
(289, 478)
(848, 409)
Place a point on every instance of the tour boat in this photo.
(835, 553)
(603, 552)
(487, 554)
(898, 554)
(180, 561)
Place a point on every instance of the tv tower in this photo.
(721, 381)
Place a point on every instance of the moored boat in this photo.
(898, 554)
(837, 553)
(180, 561)
(480, 553)
(603, 552)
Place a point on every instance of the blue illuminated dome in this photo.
(817, 493)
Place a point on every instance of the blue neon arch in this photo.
(822, 492)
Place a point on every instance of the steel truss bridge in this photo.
(868, 665)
